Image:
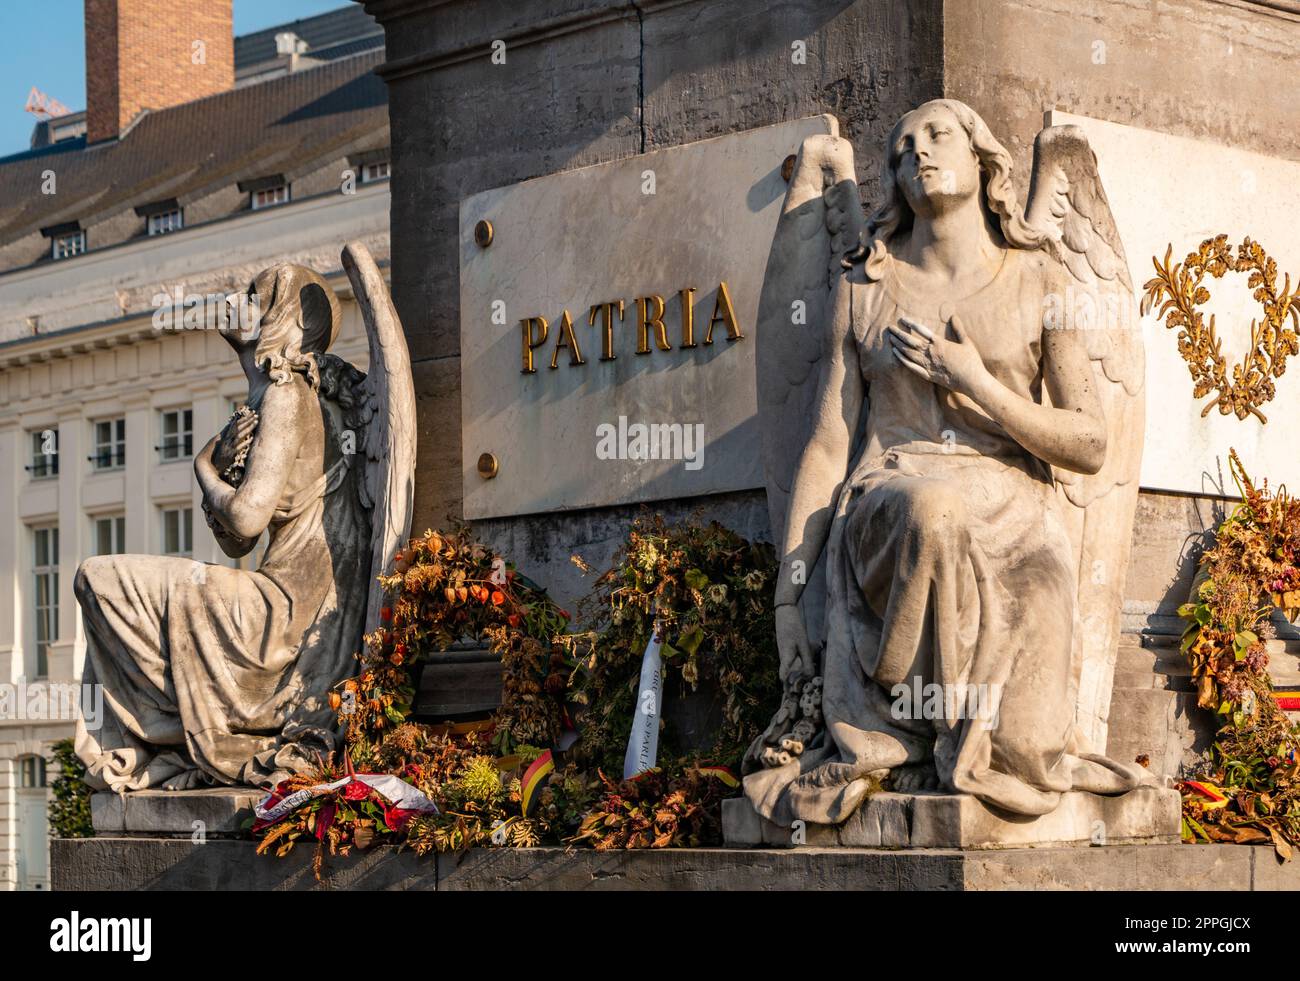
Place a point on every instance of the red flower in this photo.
(324, 818)
(386, 613)
(514, 619)
(396, 818)
(565, 614)
(498, 597)
(356, 790)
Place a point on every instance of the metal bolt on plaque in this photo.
(487, 466)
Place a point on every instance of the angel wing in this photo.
(821, 219)
(1067, 203)
(385, 420)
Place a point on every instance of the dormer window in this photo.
(161, 217)
(269, 197)
(69, 244)
(266, 192)
(165, 221)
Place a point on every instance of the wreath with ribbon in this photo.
(1272, 340)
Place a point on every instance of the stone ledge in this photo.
(1148, 815)
(163, 813)
(171, 864)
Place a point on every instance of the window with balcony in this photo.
(177, 427)
(45, 454)
(110, 444)
(45, 594)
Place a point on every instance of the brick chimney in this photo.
(152, 54)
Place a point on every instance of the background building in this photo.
(200, 160)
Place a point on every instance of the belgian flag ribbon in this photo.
(534, 778)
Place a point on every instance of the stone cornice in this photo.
(480, 47)
(107, 334)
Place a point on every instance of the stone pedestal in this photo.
(1148, 815)
(217, 811)
(172, 864)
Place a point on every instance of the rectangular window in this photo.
(33, 772)
(110, 444)
(270, 196)
(165, 221)
(45, 594)
(177, 434)
(110, 535)
(45, 454)
(377, 171)
(178, 530)
(66, 246)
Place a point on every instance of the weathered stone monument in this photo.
(769, 264)
(220, 677)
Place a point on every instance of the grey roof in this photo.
(191, 150)
(343, 28)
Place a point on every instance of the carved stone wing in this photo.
(386, 419)
(1067, 201)
(821, 219)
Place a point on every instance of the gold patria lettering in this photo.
(566, 338)
(650, 310)
(532, 340)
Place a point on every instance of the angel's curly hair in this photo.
(299, 320)
(997, 194)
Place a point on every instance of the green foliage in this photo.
(70, 803)
(1252, 569)
(713, 593)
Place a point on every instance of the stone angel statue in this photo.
(216, 675)
(951, 448)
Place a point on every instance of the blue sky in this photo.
(42, 44)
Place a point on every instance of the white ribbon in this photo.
(395, 789)
(643, 741)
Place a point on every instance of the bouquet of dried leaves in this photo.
(447, 590)
(712, 589)
(656, 810)
(712, 593)
(1250, 790)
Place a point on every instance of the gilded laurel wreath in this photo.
(1272, 340)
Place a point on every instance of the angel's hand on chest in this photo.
(952, 363)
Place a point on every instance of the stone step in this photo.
(174, 813)
(888, 820)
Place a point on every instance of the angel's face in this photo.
(241, 320)
(935, 167)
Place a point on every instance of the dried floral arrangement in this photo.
(712, 592)
(448, 589)
(1180, 291)
(1250, 789)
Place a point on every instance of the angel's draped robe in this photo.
(221, 675)
(947, 564)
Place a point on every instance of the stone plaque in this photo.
(1170, 190)
(607, 326)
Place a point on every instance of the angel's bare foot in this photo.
(186, 780)
(913, 778)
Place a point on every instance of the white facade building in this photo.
(101, 411)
